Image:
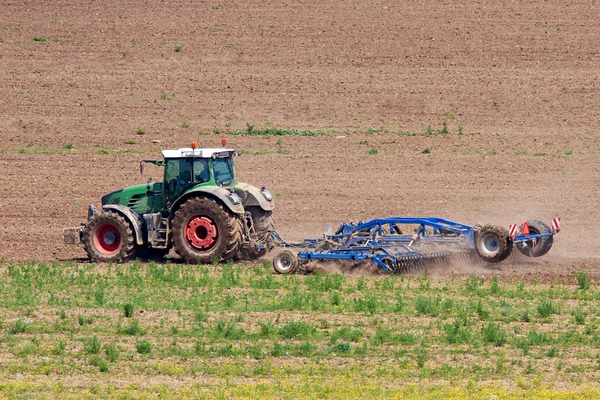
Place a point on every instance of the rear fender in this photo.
(254, 197)
(223, 195)
(134, 218)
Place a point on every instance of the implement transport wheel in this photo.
(536, 247)
(493, 243)
(204, 230)
(108, 237)
(285, 262)
(391, 265)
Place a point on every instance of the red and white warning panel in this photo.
(512, 231)
(555, 225)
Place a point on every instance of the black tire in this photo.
(536, 247)
(108, 237)
(223, 235)
(285, 262)
(264, 224)
(493, 243)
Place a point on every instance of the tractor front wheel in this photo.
(203, 231)
(493, 243)
(108, 237)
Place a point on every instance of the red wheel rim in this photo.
(201, 232)
(107, 238)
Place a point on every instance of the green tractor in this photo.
(199, 209)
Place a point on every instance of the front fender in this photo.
(253, 197)
(134, 218)
(219, 193)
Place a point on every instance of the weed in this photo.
(424, 305)
(92, 346)
(228, 330)
(266, 328)
(132, 329)
(545, 308)
(185, 124)
(59, 347)
(99, 363)
(68, 146)
(373, 151)
(112, 352)
(426, 151)
(583, 280)
(296, 330)
(165, 96)
(144, 347)
(342, 347)
(130, 141)
(178, 48)
(140, 131)
(82, 320)
(40, 39)
(483, 314)
(493, 334)
(346, 333)
(579, 317)
(421, 356)
(552, 352)
(128, 310)
(103, 151)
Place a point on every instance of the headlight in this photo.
(267, 195)
(234, 198)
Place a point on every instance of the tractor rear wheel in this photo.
(203, 230)
(493, 243)
(536, 247)
(108, 237)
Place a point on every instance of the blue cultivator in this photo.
(401, 244)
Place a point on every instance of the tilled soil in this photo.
(91, 88)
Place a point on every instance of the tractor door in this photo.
(178, 177)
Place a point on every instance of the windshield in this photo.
(179, 171)
(223, 169)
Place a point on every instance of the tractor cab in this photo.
(188, 168)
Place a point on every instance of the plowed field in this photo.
(473, 111)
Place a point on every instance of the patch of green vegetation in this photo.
(373, 152)
(165, 96)
(273, 131)
(140, 131)
(130, 141)
(317, 335)
(40, 39)
(178, 48)
(68, 145)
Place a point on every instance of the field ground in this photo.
(239, 331)
(474, 111)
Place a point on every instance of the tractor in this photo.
(199, 210)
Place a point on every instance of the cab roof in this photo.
(199, 153)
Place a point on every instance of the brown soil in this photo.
(521, 79)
